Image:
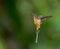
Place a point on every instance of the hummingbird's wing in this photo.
(43, 19)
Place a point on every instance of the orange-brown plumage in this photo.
(37, 23)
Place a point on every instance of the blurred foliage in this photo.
(17, 26)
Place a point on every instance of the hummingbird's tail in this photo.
(37, 33)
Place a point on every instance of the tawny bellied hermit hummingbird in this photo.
(38, 21)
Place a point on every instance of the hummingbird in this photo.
(38, 21)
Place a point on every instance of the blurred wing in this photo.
(43, 19)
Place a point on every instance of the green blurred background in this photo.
(17, 29)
